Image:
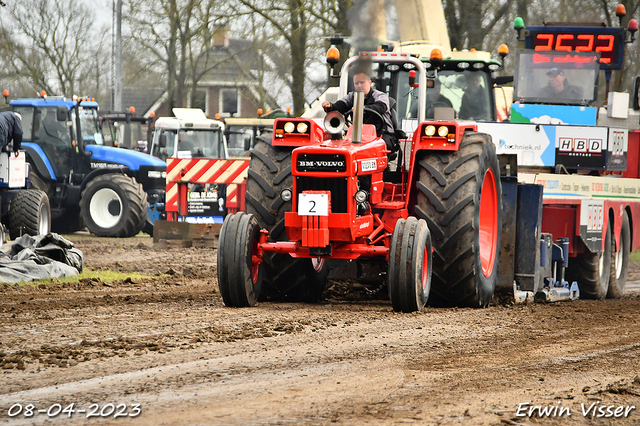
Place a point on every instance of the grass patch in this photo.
(635, 256)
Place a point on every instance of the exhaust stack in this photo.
(358, 115)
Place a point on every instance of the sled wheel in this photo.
(114, 205)
(239, 274)
(29, 213)
(592, 271)
(409, 272)
(284, 278)
(620, 261)
(459, 196)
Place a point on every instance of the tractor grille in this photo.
(337, 186)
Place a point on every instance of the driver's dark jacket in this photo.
(375, 100)
(10, 130)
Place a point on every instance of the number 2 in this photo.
(311, 209)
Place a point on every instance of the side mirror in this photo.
(162, 141)
(61, 113)
(636, 93)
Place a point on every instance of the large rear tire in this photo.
(592, 271)
(459, 196)
(239, 278)
(114, 205)
(620, 261)
(29, 213)
(284, 278)
(409, 273)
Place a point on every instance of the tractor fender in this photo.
(99, 172)
(39, 160)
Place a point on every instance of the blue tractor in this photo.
(107, 189)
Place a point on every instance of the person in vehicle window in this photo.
(474, 101)
(559, 87)
(375, 100)
(435, 99)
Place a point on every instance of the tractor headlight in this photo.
(361, 196)
(302, 127)
(430, 130)
(154, 174)
(289, 127)
(443, 131)
(286, 195)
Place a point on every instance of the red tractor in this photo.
(315, 194)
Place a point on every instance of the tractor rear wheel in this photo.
(409, 272)
(592, 271)
(620, 261)
(459, 196)
(239, 278)
(114, 205)
(29, 213)
(284, 278)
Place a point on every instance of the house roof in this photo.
(141, 98)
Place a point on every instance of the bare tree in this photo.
(177, 35)
(51, 44)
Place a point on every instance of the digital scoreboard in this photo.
(608, 42)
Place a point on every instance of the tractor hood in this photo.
(131, 159)
(340, 158)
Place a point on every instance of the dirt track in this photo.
(168, 344)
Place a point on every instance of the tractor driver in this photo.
(559, 87)
(375, 100)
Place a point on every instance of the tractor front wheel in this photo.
(114, 205)
(285, 278)
(410, 265)
(239, 274)
(29, 213)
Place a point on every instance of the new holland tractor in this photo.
(316, 194)
(106, 189)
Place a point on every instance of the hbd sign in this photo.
(580, 145)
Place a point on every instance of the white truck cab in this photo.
(190, 134)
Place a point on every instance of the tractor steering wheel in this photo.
(370, 116)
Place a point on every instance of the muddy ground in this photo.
(165, 351)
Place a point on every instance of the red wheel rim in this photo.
(425, 267)
(255, 266)
(488, 229)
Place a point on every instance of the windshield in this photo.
(27, 121)
(465, 94)
(556, 78)
(89, 125)
(191, 143)
(200, 143)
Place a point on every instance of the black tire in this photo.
(592, 271)
(284, 277)
(114, 205)
(410, 252)
(64, 221)
(29, 213)
(450, 198)
(239, 280)
(620, 261)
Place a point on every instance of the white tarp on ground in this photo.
(44, 256)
